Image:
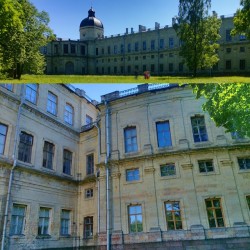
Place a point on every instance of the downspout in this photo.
(107, 173)
(12, 170)
(98, 175)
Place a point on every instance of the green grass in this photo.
(123, 79)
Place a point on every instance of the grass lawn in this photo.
(123, 79)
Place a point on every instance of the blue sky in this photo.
(117, 15)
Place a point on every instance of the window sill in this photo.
(132, 182)
(167, 148)
(17, 236)
(169, 177)
(243, 171)
(65, 236)
(130, 154)
(207, 173)
(202, 144)
(43, 236)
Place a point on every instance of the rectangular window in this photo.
(135, 219)
(133, 174)
(171, 42)
(163, 134)
(52, 103)
(89, 119)
(242, 37)
(199, 129)
(161, 43)
(65, 222)
(25, 147)
(173, 215)
(115, 49)
(31, 92)
(242, 64)
(214, 212)
(161, 68)
(90, 164)
(237, 135)
(88, 227)
(144, 45)
(152, 44)
(228, 64)
(3, 134)
(130, 138)
(96, 51)
(152, 68)
(48, 154)
(65, 49)
(136, 46)
(56, 48)
(83, 50)
(44, 221)
(244, 163)
(228, 35)
(109, 50)
(17, 219)
(68, 114)
(206, 166)
(168, 169)
(248, 201)
(171, 67)
(67, 161)
(242, 49)
(73, 48)
(181, 66)
(89, 193)
(122, 48)
(228, 50)
(8, 86)
(129, 48)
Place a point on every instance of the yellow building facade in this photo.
(145, 168)
(134, 52)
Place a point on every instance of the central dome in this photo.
(91, 20)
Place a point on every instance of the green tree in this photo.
(227, 104)
(21, 45)
(242, 19)
(198, 33)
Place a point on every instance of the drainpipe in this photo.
(12, 170)
(98, 175)
(107, 173)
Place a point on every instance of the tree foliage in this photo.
(242, 19)
(198, 33)
(227, 104)
(23, 32)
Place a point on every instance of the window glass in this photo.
(31, 92)
(67, 161)
(48, 154)
(244, 163)
(65, 222)
(206, 166)
(68, 114)
(89, 193)
(52, 103)
(214, 212)
(88, 227)
(133, 175)
(44, 221)
(8, 86)
(3, 134)
(199, 129)
(17, 219)
(25, 147)
(130, 137)
(173, 215)
(135, 219)
(90, 164)
(168, 170)
(163, 134)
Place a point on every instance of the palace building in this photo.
(145, 168)
(133, 52)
